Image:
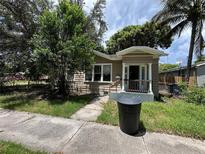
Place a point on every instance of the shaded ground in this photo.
(175, 117)
(52, 134)
(38, 102)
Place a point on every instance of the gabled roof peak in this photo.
(133, 49)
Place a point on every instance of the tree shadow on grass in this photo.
(12, 102)
(84, 99)
(20, 99)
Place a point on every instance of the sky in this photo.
(121, 13)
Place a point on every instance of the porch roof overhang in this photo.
(131, 50)
(141, 49)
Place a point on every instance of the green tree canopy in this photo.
(165, 67)
(96, 17)
(18, 23)
(96, 26)
(149, 34)
(62, 45)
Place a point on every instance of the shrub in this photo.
(196, 95)
(183, 88)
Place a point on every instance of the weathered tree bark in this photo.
(191, 50)
(29, 83)
(62, 85)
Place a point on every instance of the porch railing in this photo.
(137, 86)
(140, 86)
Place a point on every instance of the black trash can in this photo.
(129, 108)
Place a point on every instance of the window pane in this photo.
(88, 75)
(97, 73)
(107, 73)
(97, 69)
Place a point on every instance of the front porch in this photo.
(137, 77)
(136, 80)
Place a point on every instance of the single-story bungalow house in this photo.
(134, 70)
(178, 75)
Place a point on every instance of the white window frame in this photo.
(102, 66)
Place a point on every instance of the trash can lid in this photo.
(128, 99)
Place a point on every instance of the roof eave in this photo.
(200, 64)
(142, 48)
(106, 56)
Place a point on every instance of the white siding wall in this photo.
(201, 75)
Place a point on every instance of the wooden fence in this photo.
(171, 79)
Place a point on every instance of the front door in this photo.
(134, 74)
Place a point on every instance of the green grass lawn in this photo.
(32, 103)
(12, 148)
(175, 117)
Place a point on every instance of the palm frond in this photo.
(199, 42)
(173, 19)
(171, 9)
(177, 29)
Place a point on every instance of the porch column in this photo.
(123, 76)
(150, 78)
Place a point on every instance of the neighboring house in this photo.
(201, 74)
(178, 75)
(133, 70)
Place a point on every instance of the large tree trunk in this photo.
(62, 86)
(191, 50)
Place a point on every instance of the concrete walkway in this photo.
(91, 111)
(69, 136)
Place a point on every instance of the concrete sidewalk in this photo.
(69, 136)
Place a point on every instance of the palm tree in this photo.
(182, 14)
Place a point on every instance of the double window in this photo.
(100, 73)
